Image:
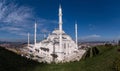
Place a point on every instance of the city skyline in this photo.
(97, 20)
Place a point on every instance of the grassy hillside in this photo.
(10, 61)
(104, 61)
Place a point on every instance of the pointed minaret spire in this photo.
(76, 37)
(35, 33)
(59, 6)
(60, 15)
(60, 26)
(28, 39)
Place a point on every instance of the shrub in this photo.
(93, 51)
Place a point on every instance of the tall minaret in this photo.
(28, 39)
(76, 37)
(60, 26)
(35, 33)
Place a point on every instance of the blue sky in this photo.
(97, 19)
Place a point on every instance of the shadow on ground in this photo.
(10, 61)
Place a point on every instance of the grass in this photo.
(104, 61)
(10, 61)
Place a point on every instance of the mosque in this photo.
(58, 47)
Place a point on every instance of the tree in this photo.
(119, 42)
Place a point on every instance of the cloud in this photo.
(13, 18)
(14, 30)
(90, 37)
(93, 36)
(10, 29)
(19, 20)
(45, 23)
(14, 14)
(19, 33)
(45, 31)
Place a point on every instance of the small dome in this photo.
(56, 31)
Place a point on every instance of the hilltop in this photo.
(104, 61)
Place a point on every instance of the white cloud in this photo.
(19, 33)
(14, 30)
(94, 36)
(10, 29)
(46, 21)
(14, 19)
(19, 20)
(45, 31)
(89, 37)
(13, 14)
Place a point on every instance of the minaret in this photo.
(60, 26)
(28, 39)
(35, 34)
(76, 37)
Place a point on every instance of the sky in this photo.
(96, 19)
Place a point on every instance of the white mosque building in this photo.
(57, 47)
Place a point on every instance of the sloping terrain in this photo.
(10, 61)
(104, 61)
